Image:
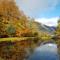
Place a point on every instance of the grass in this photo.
(13, 39)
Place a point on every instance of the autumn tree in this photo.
(57, 36)
(57, 32)
(10, 15)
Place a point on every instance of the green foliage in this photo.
(57, 32)
(11, 30)
(57, 37)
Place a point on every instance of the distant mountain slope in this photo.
(41, 27)
(46, 28)
(51, 29)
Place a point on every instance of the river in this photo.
(45, 52)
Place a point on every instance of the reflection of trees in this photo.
(57, 37)
(18, 50)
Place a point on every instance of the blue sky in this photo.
(44, 11)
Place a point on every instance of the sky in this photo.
(44, 11)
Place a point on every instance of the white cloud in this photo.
(48, 21)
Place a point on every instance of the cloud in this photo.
(40, 4)
(48, 21)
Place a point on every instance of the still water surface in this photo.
(45, 52)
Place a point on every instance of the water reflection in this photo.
(45, 52)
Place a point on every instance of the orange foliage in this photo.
(11, 15)
(22, 32)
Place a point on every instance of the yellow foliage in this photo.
(11, 15)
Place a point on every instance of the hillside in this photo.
(36, 26)
(12, 20)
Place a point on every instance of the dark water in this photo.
(45, 52)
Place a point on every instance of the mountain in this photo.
(36, 26)
(45, 28)
(51, 29)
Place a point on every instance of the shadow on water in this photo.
(45, 52)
